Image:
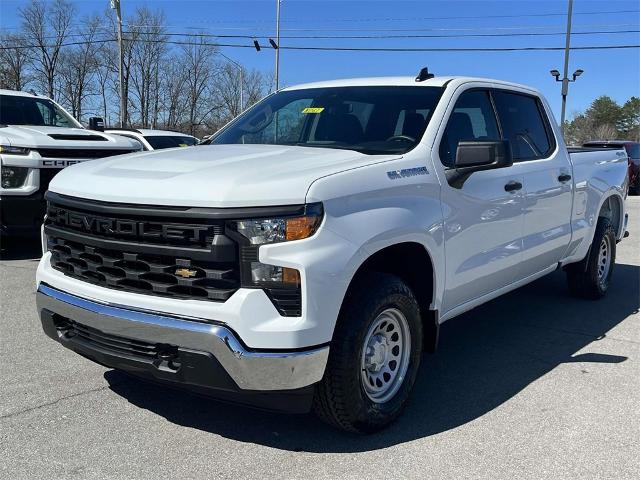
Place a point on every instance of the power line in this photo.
(358, 37)
(350, 49)
(411, 19)
(406, 29)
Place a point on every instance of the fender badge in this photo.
(407, 172)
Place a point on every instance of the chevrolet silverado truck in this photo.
(308, 254)
(38, 138)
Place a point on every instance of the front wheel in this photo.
(374, 356)
(590, 278)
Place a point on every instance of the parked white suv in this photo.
(155, 139)
(38, 138)
(308, 255)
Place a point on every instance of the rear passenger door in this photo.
(547, 184)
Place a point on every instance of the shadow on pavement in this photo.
(485, 357)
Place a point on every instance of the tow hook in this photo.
(167, 358)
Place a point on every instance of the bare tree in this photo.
(227, 89)
(173, 88)
(199, 68)
(78, 65)
(14, 59)
(147, 51)
(47, 27)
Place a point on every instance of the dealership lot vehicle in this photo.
(309, 254)
(633, 150)
(38, 138)
(155, 139)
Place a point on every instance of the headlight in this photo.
(14, 150)
(263, 231)
(13, 177)
(273, 230)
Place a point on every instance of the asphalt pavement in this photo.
(535, 384)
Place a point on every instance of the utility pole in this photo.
(565, 78)
(115, 5)
(278, 45)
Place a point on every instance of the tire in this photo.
(590, 277)
(382, 312)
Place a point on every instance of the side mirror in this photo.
(483, 155)
(477, 156)
(96, 123)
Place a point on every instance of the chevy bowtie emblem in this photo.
(185, 273)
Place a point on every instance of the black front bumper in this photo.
(167, 364)
(22, 216)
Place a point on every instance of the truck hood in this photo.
(209, 175)
(33, 136)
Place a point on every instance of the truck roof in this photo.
(19, 93)
(403, 81)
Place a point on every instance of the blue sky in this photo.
(612, 72)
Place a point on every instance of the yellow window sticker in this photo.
(313, 110)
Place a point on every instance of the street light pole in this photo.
(241, 69)
(278, 44)
(115, 5)
(565, 78)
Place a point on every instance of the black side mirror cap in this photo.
(96, 123)
(475, 156)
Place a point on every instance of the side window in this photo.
(523, 125)
(472, 119)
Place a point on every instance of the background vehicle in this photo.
(309, 253)
(38, 138)
(633, 150)
(156, 139)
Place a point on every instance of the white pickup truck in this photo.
(38, 138)
(307, 256)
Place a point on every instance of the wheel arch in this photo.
(413, 263)
(612, 208)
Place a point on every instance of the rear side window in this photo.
(633, 150)
(472, 119)
(524, 125)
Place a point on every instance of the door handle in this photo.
(512, 186)
(565, 177)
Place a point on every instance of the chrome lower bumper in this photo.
(250, 370)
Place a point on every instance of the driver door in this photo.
(483, 217)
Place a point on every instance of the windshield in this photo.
(170, 141)
(18, 110)
(371, 120)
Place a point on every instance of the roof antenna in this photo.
(424, 75)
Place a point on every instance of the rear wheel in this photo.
(374, 356)
(590, 278)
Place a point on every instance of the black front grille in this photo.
(111, 343)
(163, 256)
(141, 273)
(79, 152)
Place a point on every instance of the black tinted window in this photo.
(471, 119)
(523, 125)
(368, 119)
(172, 141)
(20, 110)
